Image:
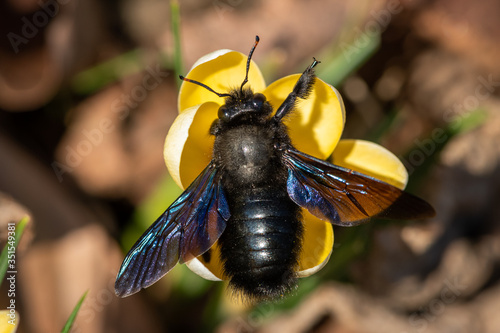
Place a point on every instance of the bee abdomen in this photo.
(261, 245)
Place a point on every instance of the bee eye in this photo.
(258, 100)
(223, 113)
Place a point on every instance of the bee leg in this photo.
(302, 89)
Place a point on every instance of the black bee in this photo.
(250, 196)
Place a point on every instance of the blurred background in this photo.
(87, 95)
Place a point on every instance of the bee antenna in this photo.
(257, 39)
(204, 86)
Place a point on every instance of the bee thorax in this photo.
(247, 154)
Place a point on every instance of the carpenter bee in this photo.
(249, 198)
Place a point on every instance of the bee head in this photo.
(244, 105)
(240, 104)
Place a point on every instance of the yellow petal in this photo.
(371, 159)
(222, 71)
(9, 321)
(212, 269)
(317, 123)
(188, 146)
(317, 244)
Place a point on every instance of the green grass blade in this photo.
(459, 125)
(175, 18)
(10, 247)
(95, 78)
(348, 59)
(72, 316)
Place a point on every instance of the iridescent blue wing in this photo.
(346, 197)
(188, 228)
